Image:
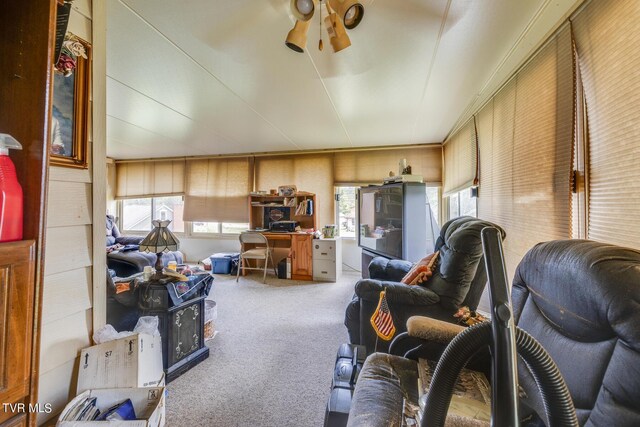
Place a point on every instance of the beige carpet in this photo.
(272, 361)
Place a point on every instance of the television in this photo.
(394, 221)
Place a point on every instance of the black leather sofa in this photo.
(458, 280)
(581, 300)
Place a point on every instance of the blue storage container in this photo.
(222, 263)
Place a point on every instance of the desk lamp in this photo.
(160, 240)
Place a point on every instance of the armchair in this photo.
(458, 280)
(579, 299)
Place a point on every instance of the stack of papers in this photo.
(83, 410)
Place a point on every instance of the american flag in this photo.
(381, 320)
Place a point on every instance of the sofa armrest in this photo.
(398, 293)
(432, 330)
(392, 270)
(129, 240)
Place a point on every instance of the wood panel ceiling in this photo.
(203, 77)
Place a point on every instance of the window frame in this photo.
(188, 225)
(336, 210)
(447, 205)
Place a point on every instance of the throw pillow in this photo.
(421, 271)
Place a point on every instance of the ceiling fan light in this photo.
(337, 34)
(350, 11)
(302, 10)
(297, 37)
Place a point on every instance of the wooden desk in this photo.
(299, 249)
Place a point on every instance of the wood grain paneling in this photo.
(80, 26)
(17, 273)
(63, 339)
(69, 174)
(18, 421)
(57, 387)
(66, 293)
(69, 204)
(68, 248)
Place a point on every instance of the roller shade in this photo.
(311, 172)
(525, 137)
(217, 190)
(149, 179)
(607, 38)
(369, 167)
(460, 160)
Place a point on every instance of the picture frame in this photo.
(70, 115)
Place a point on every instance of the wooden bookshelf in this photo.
(258, 203)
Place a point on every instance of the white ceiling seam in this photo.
(191, 58)
(443, 24)
(346, 132)
(493, 83)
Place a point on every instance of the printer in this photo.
(283, 226)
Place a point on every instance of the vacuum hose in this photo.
(555, 395)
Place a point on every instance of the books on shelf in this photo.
(305, 207)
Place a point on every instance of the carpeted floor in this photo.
(271, 363)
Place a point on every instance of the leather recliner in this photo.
(458, 280)
(581, 300)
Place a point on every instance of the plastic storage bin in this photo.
(222, 263)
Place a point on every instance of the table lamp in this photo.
(160, 240)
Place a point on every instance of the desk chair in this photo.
(261, 251)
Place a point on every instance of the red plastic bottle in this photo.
(11, 199)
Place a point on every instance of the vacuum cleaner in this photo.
(503, 338)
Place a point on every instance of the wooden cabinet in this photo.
(17, 421)
(301, 257)
(27, 34)
(17, 274)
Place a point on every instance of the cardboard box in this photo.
(149, 404)
(131, 362)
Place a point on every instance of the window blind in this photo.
(310, 172)
(149, 179)
(525, 139)
(368, 167)
(217, 190)
(460, 160)
(607, 38)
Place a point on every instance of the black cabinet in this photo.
(180, 309)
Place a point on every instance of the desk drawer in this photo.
(324, 270)
(324, 249)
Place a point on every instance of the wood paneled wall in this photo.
(68, 303)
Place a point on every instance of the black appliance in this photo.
(283, 226)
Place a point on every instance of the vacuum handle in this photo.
(504, 384)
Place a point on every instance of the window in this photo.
(218, 228)
(138, 213)
(346, 211)
(433, 200)
(462, 204)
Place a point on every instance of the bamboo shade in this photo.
(526, 141)
(370, 167)
(149, 179)
(217, 190)
(607, 38)
(460, 160)
(311, 172)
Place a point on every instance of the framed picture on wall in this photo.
(69, 122)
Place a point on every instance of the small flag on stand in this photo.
(381, 320)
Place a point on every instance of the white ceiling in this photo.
(202, 77)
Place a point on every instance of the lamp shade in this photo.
(297, 37)
(337, 34)
(302, 10)
(349, 11)
(160, 239)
